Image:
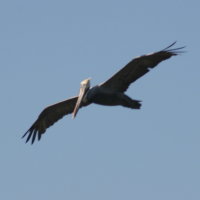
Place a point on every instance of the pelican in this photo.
(110, 92)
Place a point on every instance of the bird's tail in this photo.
(130, 103)
(135, 104)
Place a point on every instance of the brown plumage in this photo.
(117, 84)
(138, 67)
(49, 116)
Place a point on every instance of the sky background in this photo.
(47, 48)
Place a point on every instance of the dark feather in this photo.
(49, 116)
(138, 67)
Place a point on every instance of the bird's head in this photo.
(85, 85)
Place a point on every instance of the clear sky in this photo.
(47, 48)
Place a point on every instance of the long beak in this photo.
(78, 103)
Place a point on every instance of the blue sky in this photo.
(47, 48)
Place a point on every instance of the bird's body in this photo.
(109, 93)
(103, 96)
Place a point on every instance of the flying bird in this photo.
(110, 92)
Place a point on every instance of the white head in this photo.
(85, 85)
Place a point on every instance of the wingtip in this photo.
(24, 135)
(174, 51)
(39, 136)
(166, 48)
(29, 136)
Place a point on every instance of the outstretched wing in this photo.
(49, 116)
(137, 68)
